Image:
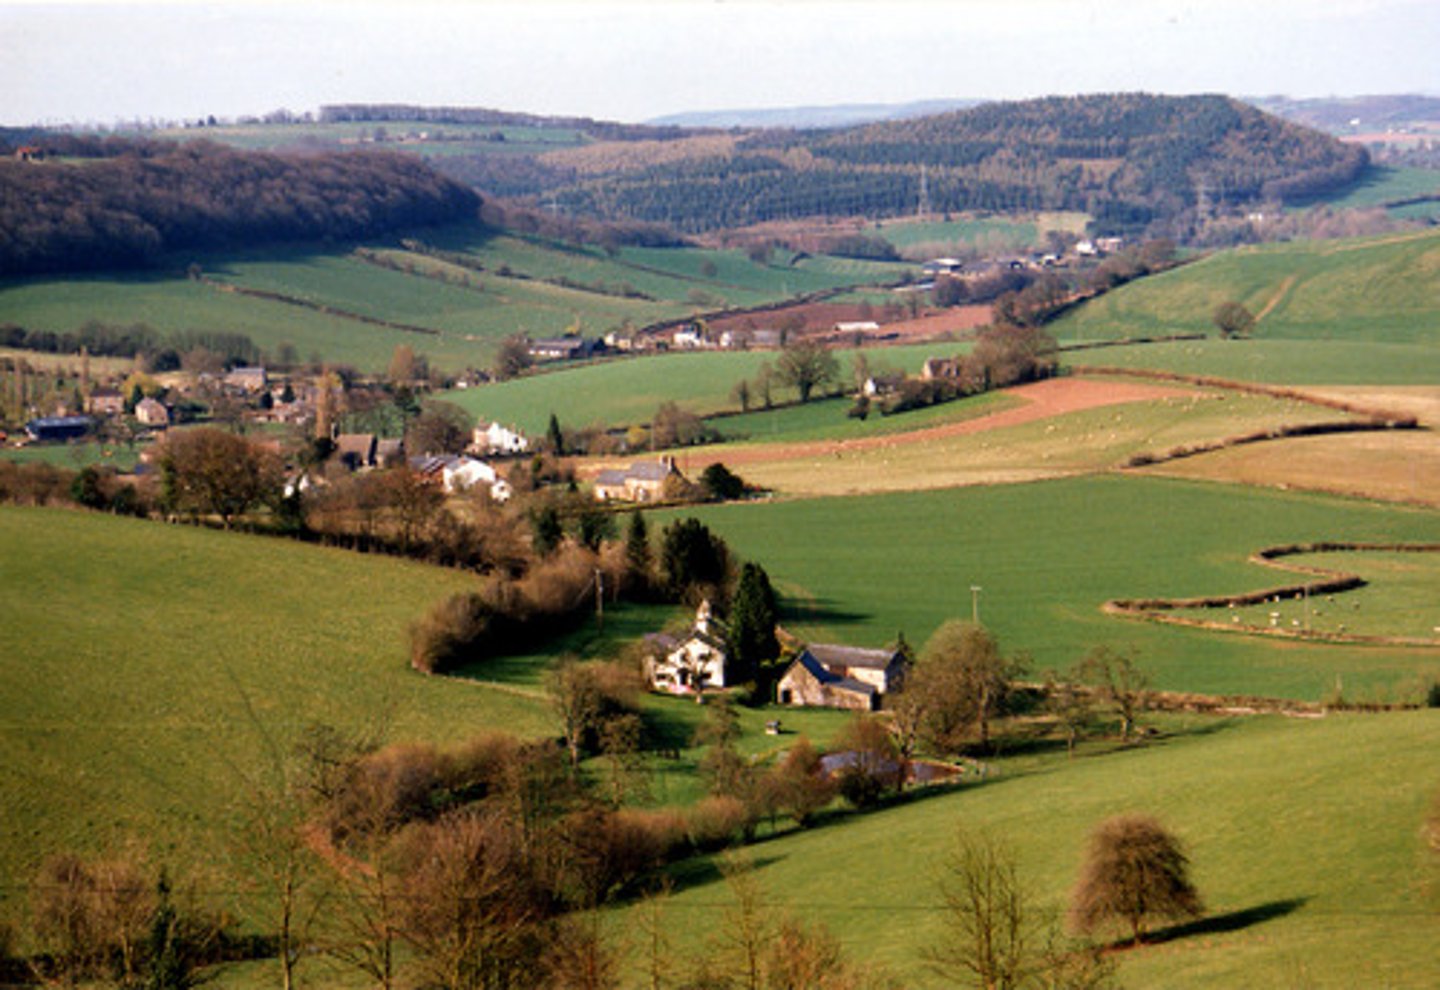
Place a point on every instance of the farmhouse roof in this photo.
(651, 470)
(834, 655)
(829, 678)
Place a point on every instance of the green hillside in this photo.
(1302, 888)
(1280, 362)
(144, 673)
(1047, 555)
(1375, 290)
(464, 287)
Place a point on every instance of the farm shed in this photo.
(58, 427)
(832, 676)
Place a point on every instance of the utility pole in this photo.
(975, 604)
(922, 208)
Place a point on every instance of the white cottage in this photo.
(692, 663)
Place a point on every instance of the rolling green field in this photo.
(978, 231)
(1047, 555)
(629, 390)
(468, 310)
(1300, 889)
(1367, 291)
(146, 664)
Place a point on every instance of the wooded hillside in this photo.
(124, 204)
(1127, 159)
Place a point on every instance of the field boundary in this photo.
(327, 310)
(1333, 582)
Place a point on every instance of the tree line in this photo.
(137, 203)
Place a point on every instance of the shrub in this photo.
(714, 822)
(450, 633)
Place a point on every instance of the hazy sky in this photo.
(106, 61)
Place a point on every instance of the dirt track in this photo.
(1054, 397)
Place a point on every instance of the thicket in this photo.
(133, 206)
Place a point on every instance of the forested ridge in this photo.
(94, 204)
(1127, 159)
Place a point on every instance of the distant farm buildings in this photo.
(642, 481)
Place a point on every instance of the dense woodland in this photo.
(106, 204)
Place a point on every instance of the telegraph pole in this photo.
(975, 604)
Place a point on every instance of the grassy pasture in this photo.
(1399, 600)
(1372, 290)
(629, 390)
(1301, 891)
(1382, 184)
(827, 419)
(1048, 554)
(141, 662)
(1279, 362)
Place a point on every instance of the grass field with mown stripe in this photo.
(1047, 556)
(1368, 290)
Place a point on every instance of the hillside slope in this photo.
(1367, 290)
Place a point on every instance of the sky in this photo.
(107, 62)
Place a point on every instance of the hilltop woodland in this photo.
(112, 203)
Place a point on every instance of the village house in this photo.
(937, 368)
(246, 379)
(825, 675)
(492, 438)
(355, 451)
(690, 663)
(105, 402)
(456, 474)
(886, 383)
(152, 412)
(642, 481)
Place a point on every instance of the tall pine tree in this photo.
(753, 614)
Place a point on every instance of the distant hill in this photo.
(838, 115)
(1126, 159)
(1342, 115)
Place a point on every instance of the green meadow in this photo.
(1047, 555)
(1369, 290)
(628, 390)
(1383, 184)
(149, 667)
(1302, 888)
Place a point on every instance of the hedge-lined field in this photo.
(1363, 291)
(1048, 555)
(1301, 889)
(140, 661)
